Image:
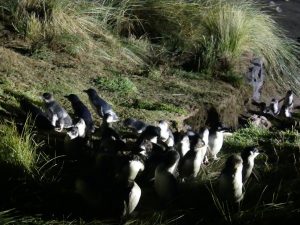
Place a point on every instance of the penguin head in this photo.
(233, 163)
(274, 100)
(250, 153)
(289, 92)
(90, 92)
(47, 97)
(72, 98)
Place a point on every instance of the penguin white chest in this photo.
(215, 143)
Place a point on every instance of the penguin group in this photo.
(155, 155)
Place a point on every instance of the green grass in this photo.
(157, 106)
(117, 83)
(19, 150)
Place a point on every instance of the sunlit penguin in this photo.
(189, 165)
(102, 108)
(165, 182)
(136, 125)
(248, 156)
(81, 111)
(166, 134)
(215, 142)
(231, 181)
(78, 130)
(58, 116)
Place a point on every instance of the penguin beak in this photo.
(86, 91)
(66, 96)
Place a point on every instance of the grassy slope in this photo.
(23, 72)
(62, 74)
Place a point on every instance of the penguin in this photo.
(78, 130)
(166, 134)
(132, 195)
(215, 141)
(136, 125)
(81, 111)
(150, 133)
(205, 136)
(165, 182)
(103, 109)
(184, 146)
(56, 114)
(190, 163)
(273, 108)
(288, 104)
(248, 155)
(129, 171)
(231, 181)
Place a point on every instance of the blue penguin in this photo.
(248, 156)
(288, 104)
(166, 134)
(130, 169)
(184, 145)
(137, 125)
(274, 106)
(56, 114)
(103, 109)
(215, 141)
(77, 130)
(165, 182)
(131, 197)
(190, 163)
(81, 111)
(151, 133)
(231, 181)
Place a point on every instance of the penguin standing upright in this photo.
(231, 181)
(56, 113)
(166, 134)
(248, 156)
(288, 104)
(103, 109)
(189, 165)
(215, 141)
(81, 111)
(165, 182)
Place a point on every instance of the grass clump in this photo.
(18, 149)
(116, 83)
(246, 137)
(214, 35)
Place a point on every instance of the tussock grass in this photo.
(118, 83)
(213, 35)
(18, 149)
